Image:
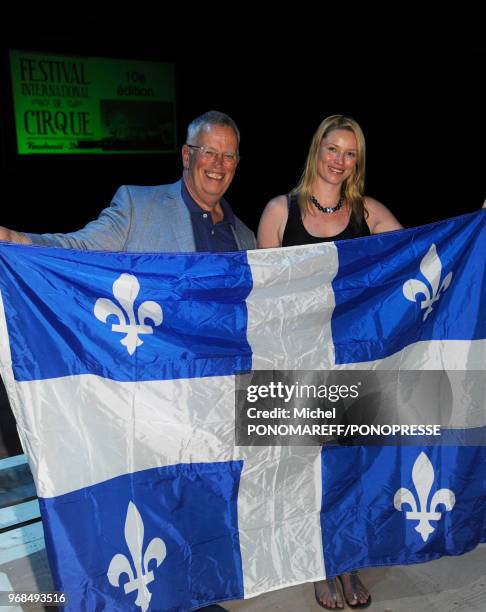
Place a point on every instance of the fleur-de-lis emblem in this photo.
(431, 268)
(423, 478)
(126, 289)
(138, 579)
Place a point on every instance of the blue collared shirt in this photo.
(208, 236)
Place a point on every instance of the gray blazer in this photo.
(150, 219)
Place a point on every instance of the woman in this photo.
(328, 204)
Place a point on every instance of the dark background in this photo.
(414, 82)
(413, 79)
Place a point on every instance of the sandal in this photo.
(331, 587)
(355, 583)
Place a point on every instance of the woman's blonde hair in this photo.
(353, 187)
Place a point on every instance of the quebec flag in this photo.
(120, 369)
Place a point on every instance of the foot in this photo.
(355, 592)
(328, 594)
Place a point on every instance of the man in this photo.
(190, 215)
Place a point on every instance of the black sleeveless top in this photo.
(296, 234)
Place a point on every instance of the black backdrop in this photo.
(413, 82)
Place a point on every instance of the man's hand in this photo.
(9, 235)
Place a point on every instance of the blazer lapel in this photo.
(179, 220)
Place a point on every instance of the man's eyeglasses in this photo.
(229, 158)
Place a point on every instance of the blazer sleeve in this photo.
(109, 232)
(245, 235)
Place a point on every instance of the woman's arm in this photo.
(272, 223)
(380, 219)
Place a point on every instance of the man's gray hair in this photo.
(210, 118)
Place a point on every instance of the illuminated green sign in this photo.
(92, 105)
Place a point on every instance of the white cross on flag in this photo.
(120, 369)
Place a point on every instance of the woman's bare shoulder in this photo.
(279, 202)
(272, 222)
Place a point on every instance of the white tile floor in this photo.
(450, 584)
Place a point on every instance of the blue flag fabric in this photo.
(120, 370)
(360, 527)
(207, 340)
(372, 320)
(194, 506)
